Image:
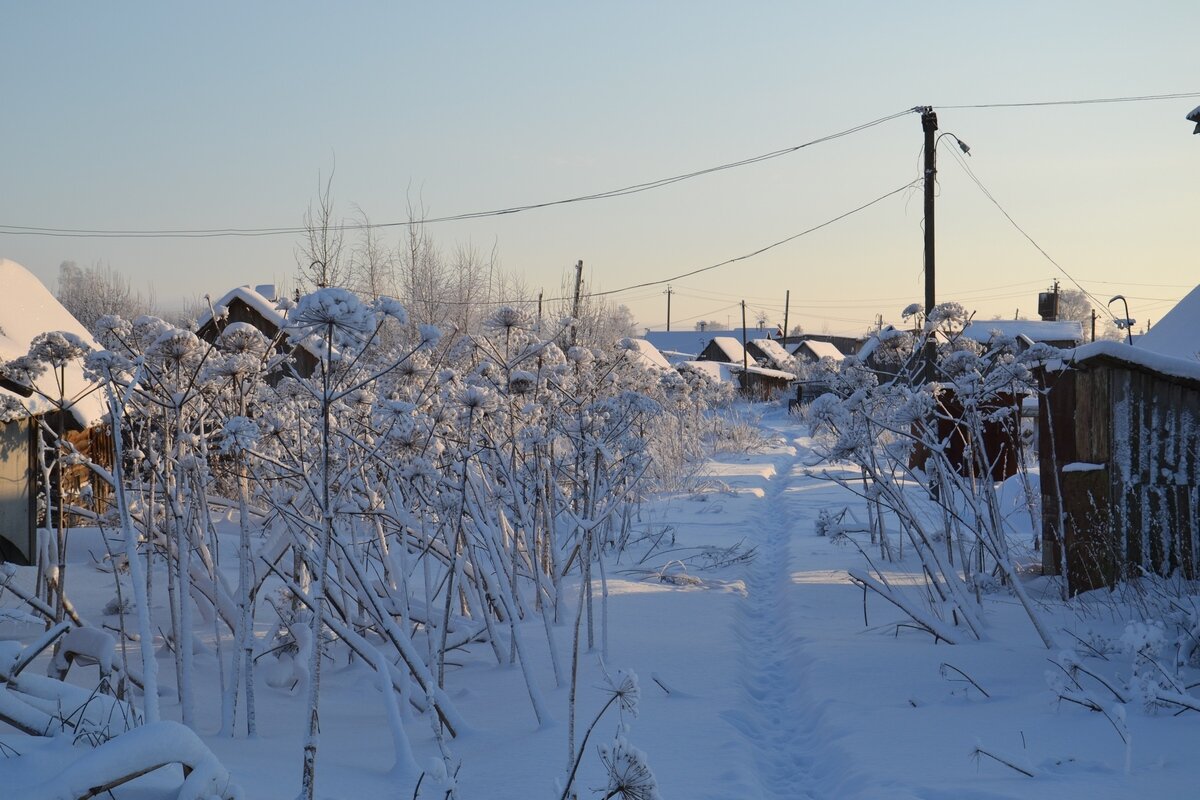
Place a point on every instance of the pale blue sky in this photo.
(223, 114)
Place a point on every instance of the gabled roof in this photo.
(729, 347)
(27, 308)
(266, 306)
(776, 354)
(1178, 332)
(817, 350)
(271, 310)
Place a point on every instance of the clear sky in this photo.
(204, 115)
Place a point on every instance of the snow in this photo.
(647, 354)
(1177, 334)
(133, 752)
(1137, 356)
(27, 309)
(816, 350)
(268, 307)
(717, 370)
(1035, 330)
(1082, 466)
(765, 372)
(730, 347)
(272, 310)
(770, 678)
(778, 356)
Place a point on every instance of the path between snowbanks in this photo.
(782, 719)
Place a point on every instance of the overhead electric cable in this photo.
(762, 250)
(199, 233)
(970, 173)
(1091, 101)
(699, 270)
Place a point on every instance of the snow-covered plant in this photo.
(923, 459)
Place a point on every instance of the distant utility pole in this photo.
(787, 302)
(744, 364)
(575, 306)
(668, 294)
(930, 126)
(540, 293)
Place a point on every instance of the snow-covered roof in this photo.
(1036, 330)
(1188, 369)
(647, 354)
(271, 309)
(1178, 332)
(28, 308)
(694, 342)
(817, 350)
(886, 333)
(775, 352)
(251, 296)
(729, 347)
(766, 372)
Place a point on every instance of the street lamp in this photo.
(1195, 117)
(1125, 324)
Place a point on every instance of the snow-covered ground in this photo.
(764, 677)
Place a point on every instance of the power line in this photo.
(200, 233)
(697, 271)
(764, 249)
(970, 173)
(1091, 101)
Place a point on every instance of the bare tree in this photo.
(90, 293)
(372, 264)
(319, 260)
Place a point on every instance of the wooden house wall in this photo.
(1137, 514)
(762, 387)
(18, 509)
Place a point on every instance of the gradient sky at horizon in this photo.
(148, 116)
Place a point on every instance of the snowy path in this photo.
(783, 717)
(771, 720)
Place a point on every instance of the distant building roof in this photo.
(1036, 330)
(1178, 332)
(815, 350)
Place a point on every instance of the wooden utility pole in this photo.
(744, 364)
(540, 293)
(1093, 324)
(787, 301)
(668, 294)
(929, 125)
(575, 305)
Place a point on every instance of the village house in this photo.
(261, 307)
(35, 412)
